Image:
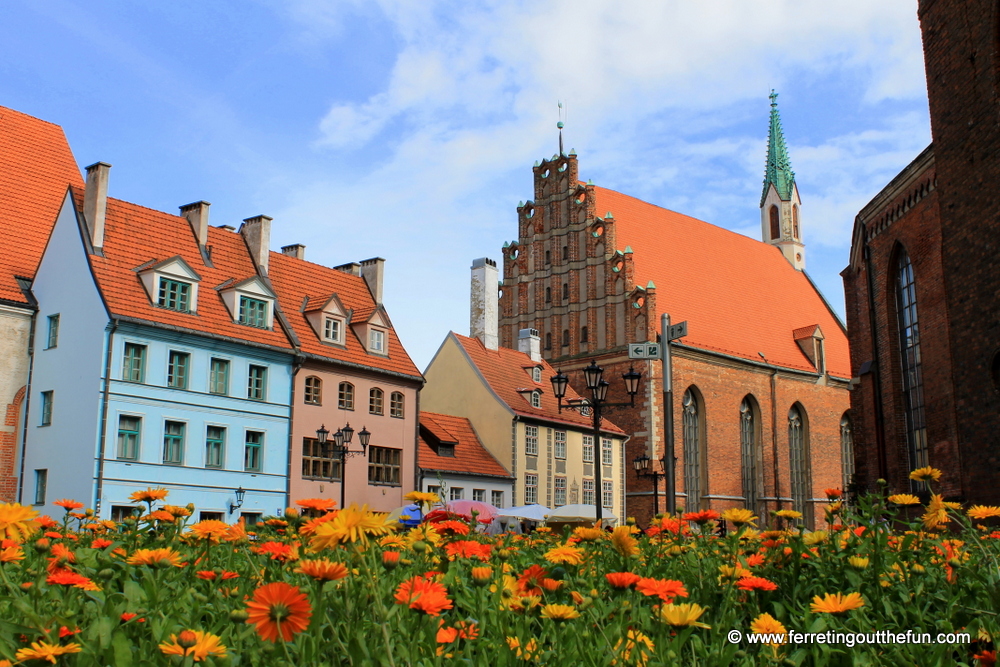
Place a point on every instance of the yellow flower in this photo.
(733, 572)
(148, 496)
(637, 649)
(983, 512)
(904, 499)
(352, 524)
(836, 603)
(46, 651)
(559, 612)
(765, 624)
(926, 474)
(788, 514)
(739, 516)
(815, 537)
(195, 643)
(623, 542)
(564, 555)
(424, 498)
(682, 615)
(858, 562)
(937, 511)
(529, 651)
(155, 557)
(423, 533)
(210, 529)
(17, 522)
(587, 534)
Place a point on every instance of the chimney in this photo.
(197, 215)
(372, 271)
(529, 343)
(256, 231)
(483, 305)
(352, 268)
(95, 202)
(296, 250)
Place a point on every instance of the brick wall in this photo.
(8, 448)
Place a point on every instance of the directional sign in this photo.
(644, 351)
(678, 330)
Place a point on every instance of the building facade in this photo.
(455, 465)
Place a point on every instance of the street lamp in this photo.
(240, 495)
(646, 467)
(342, 448)
(598, 386)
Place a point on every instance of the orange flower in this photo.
(17, 522)
(159, 515)
(756, 584)
(623, 542)
(836, 603)
(11, 555)
(100, 543)
(665, 589)
(564, 555)
(322, 570)
(128, 616)
(308, 529)
(46, 651)
(702, 517)
(195, 643)
(210, 529)
(531, 579)
(317, 504)
(424, 595)
(755, 560)
(276, 550)
(177, 511)
(833, 494)
(622, 579)
(155, 558)
(68, 578)
(461, 630)
(149, 495)
(279, 609)
(451, 527)
(482, 575)
(390, 559)
(68, 505)
(468, 549)
(211, 575)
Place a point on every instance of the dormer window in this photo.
(376, 341)
(250, 302)
(170, 284)
(333, 330)
(175, 295)
(253, 312)
(536, 399)
(536, 373)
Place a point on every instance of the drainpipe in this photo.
(418, 474)
(27, 403)
(297, 363)
(99, 487)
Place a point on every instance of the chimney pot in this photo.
(372, 270)
(95, 202)
(197, 214)
(256, 231)
(484, 303)
(296, 250)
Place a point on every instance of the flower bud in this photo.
(390, 559)
(482, 575)
(419, 546)
(239, 615)
(187, 639)
(42, 545)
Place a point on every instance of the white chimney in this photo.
(296, 250)
(372, 271)
(95, 202)
(529, 342)
(484, 303)
(197, 215)
(256, 232)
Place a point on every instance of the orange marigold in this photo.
(195, 643)
(17, 522)
(210, 529)
(836, 603)
(756, 584)
(69, 578)
(149, 495)
(155, 558)
(322, 570)
(68, 505)
(622, 579)
(317, 504)
(468, 549)
(564, 555)
(423, 595)
(279, 610)
(46, 651)
(702, 517)
(665, 589)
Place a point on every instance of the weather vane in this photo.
(560, 125)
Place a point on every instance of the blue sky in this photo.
(406, 129)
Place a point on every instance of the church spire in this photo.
(778, 170)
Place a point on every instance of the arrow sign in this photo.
(644, 351)
(678, 330)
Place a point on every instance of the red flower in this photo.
(276, 550)
(756, 584)
(665, 589)
(66, 632)
(452, 527)
(128, 616)
(424, 595)
(702, 517)
(279, 609)
(833, 494)
(468, 549)
(622, 579)
(101, 543)
(531, 579)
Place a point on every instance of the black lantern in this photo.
(601, 392)
(632, 379)
(363, 437)
(338, 438)
(321, 434)
(559, 384)
(348, 434)
(641, 464)
(592, 374)
(240, 495)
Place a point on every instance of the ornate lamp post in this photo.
(593, 374)
(342, 448)
(240, 495)
(646, 467)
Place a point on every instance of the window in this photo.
(376, 341)
(588, 449)
(314, 390)
(252, 451)
(536, 374)
(47, 399)
(435, 490)
(396, 404)
(548, 256)
(41, 482)
(319, 461)
(692, 452)
(331, 329)
(548, 295)
(846, 452)
(173, 442)
(250, 518)
(560, 445)
(128, 437)
(548, 341)
(775, 222)
(565, 292)
(588, 492)
(375, 397)
(210, 516)
(253, 312)
(565, 340)
(795, 221)
(384, 465)
(496, 499)
(798, 462)
(53, 337)
(608, 493)
(560, 497)
(345, 396)
(607, 452)
(177, 369)
(912, 372)
(748, 451)
(174, 295)
(218, 377)
(530, 489)
(531, 440)
(536, 399)
(584, 335)
(565, 252)
(215, 446)
(257, 383)
(456, 493)
(121, 512)
(134, 363)
(479, 495)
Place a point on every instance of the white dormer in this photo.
(329, 320)
(250, 302)
(171, 284)
(374, 332)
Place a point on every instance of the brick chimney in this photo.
(296, 250)
(256, 232)
(530, 343)
(197, 215)
(95, 202)
(372, 270)
(484, 303)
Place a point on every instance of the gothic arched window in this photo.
(909, 352)
(795, 221)
(775, 223)
(693, 451)
(798, 463)
(846, 451)
(748, 451)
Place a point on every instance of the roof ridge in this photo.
(28, 115)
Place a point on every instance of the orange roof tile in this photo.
(36, 168)
(739, 296)
(294, 279)
(505, 372)
(470, 454)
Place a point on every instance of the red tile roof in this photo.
(739, 296)
(505, 371)
(36, 168)
(470, 454)
(294, 279)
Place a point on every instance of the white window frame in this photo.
(536, 399)
(530, 489)
(559, 445)
(607, 451)
(530, 440)
(496, 498)
(377, 341)
(607, 493)
(588, 492)
(559, 495)
(333, 323)
(588, 449)
(456, 493)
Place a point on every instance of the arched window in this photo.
(375, 400)
(583, 334)
(565, 291)
(345, 396)
(396, 405)
(798, 462)
(694, 471)
(314, 391)
(548, 295)
(775, 223)
(912, 374)
(795, 221)
(748, 450)
(565, 340)
(548, 341)
(846, 451)
(536, 399)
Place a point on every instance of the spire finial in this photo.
(774, 98)
(560, 125)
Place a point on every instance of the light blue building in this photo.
(160, 359)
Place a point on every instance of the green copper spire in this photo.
(778, 169)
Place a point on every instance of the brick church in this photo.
(923, 304)
(759, 381)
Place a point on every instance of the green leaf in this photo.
(122, 650)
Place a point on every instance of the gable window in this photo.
(215, 446)
(319, 461)
(530, 489)
(536, 374)
(396, 404)
(177, 369)
(531, 440)
(218, 377)
(345, 396)
(910, 362)
(257, 383)
(41, 484)
(560, 446)
(128, 437)
(798, 462)
(384, 465)
(173, 442)
(47, 399)
(775, 222)
(560, 495)
(174, 295)
(253, 312)
(134, 363)
(53, 338)
(332, 329)
(375, 401)
(314, 391)
(376, 341)
(536, 399)
(588, 449)
(252, 451)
